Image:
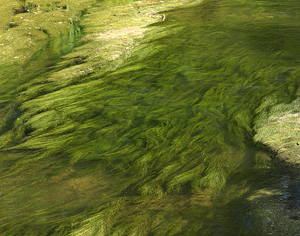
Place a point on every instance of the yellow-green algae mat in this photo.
(26, 26)
(113, 31)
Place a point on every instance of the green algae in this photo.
(258, 77)
(139, 128)
(31, 39)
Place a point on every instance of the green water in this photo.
(163, 144)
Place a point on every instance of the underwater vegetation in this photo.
(143, 141)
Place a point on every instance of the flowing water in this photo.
(163, 144)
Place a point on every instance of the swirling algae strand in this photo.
(161, 142)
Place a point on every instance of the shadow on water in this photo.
(162, 145)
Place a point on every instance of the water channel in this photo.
(163, 144)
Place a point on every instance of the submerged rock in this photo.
(279, 128)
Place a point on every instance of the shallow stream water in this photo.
(163, 144)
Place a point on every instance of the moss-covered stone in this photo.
(278, 126)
